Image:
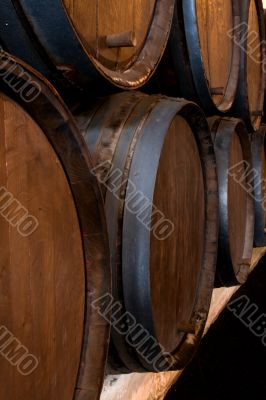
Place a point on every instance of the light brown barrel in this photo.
(220, 55)
(202, 60)
(213, 55)
(54, 257)
(236, 208)
(77, 42)
(154, 159)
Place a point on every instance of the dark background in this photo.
(231, 361)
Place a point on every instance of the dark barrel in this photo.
(258, 147)
(155, 161)
(54, 254)
(236, 209)
(80, 41)
(250, 37)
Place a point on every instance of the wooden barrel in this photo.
(236, 210)
(258, 146)
(54, 253)
(202, 61)
(213, 56)
(250, 36)
(155, 161)
(123, 41)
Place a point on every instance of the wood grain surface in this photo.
(129, 63)
(175, 269)
(67, 266)
(96, 19)
(42, 275)
(254, 58)
(215, 19)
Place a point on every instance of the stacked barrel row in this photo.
(121, 211)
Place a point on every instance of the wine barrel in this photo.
(122, 41)
(250, 36)
(259, 170)
(236, 209)
(155, 161)
(201, 62)
(54, 254)
(213, 56)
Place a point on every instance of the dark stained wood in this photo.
(163, 148)
(259, 166)
(233, 158)
(50, 278)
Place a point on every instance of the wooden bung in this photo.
(217, 91)
(123, 39)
